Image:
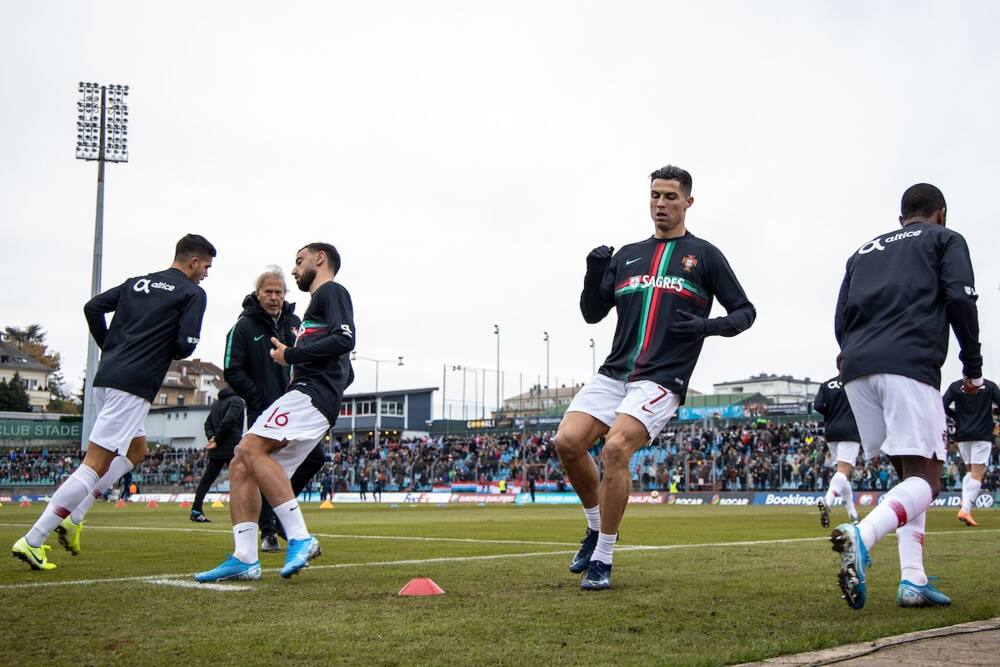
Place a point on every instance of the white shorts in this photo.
(295, 420)
(120, 417)
(603, 398)
(846, 452)
(975, 451)
(898, 416)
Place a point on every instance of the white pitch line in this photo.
(415, 538)
(180, 583)
(461, 559)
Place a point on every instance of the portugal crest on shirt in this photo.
(688, 262)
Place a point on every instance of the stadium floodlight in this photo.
(101, 136)
(102, 123)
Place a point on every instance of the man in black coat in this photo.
(249, 369)
(223, 428)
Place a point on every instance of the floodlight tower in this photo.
(101, 136)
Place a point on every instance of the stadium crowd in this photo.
(743, 457)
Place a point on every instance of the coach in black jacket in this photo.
(249, 369)
(223, 428)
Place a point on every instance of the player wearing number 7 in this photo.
(290, 428)
(663, 289)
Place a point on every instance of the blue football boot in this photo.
(910, 595)
(598, 576)
(230, 569)
(581, 561)
(846, 539)
(299, 553)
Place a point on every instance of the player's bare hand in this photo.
(210, 444)
(278, 353)
(972, 386)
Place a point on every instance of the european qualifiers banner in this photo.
(22, 429)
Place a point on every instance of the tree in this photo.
(33, 333)
(13, 397)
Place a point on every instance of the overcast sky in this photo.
(465, 157)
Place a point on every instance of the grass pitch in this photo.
(692, 585)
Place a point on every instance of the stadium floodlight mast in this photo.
(593, 358)
(101, 136)
(378, 399)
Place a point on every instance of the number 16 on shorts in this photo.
(291, 417)
(276, 419)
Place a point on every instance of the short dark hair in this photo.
(328, 249)
(921, 199)
(193, 245)
(672, 173)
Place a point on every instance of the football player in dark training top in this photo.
(663, 288)
(289, 428)
(973, 415)
(157, 318)
(251, 372)
(843, 441)
(901, 292)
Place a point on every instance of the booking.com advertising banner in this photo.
(865, 500)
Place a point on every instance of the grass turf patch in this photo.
(694, 598)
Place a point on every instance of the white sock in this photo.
(593, 515)
(836, 489)
(245, 537)
(605, 547)
(76, 487)
(970, 491)
(847, 493)
(911, 550)
(906, 500)
(291, 518)
(119, 466)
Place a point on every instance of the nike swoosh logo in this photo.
(632, 261)
(257, 338)
(240, 532)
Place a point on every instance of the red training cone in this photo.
(120, 504)
(421, 586)
(152, 504)
(25, 503)
(185, 504)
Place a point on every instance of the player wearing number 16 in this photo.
(289, 428)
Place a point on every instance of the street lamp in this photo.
(496, 330)
(378, 399)
(101, 136)
(463, 369)
(547, 393)
(593, 358)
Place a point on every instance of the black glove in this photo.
(599, 257)
(689, 326)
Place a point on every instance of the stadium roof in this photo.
(391, 392)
